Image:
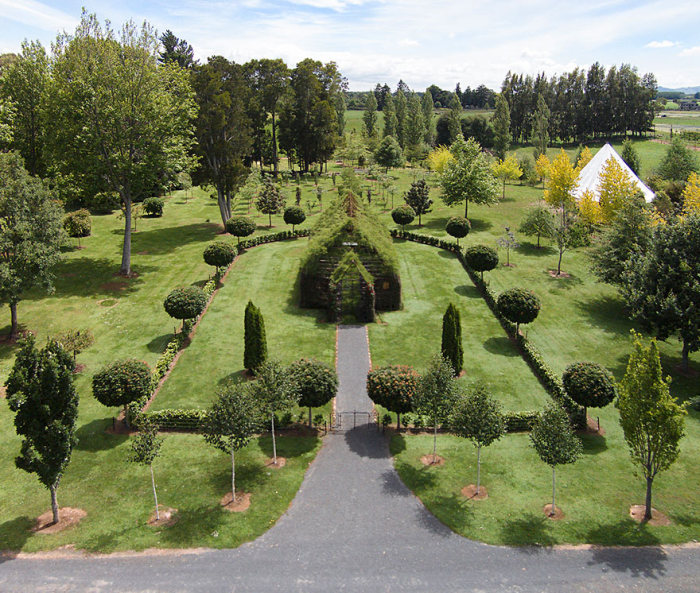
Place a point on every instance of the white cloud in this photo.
(37, 14)
(660, 44)
(691, 51)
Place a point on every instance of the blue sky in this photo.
(421, 41)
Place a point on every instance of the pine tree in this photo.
(452, 348)
(255, 352)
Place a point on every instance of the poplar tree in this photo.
(427, 109)
(540, 128)
(390, 121)
(369, 117)
(401, 109)
(501, 127)
(452, 349)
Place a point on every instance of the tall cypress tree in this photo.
(255, 352)
(452, 348)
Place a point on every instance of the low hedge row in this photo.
(263, 239)
(547, 377)
(178, 419)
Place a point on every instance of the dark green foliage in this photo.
(153, 206)
(175, 50)
(240, 226)
(501, 127)
(452, 349)
(40, 392)
(121, 382)
(270, 200)
(185, 303)
(389, 153)
(316, 382)
(78, 224)
(478, 127)
(104, 203)
(76, 340)
(518, 305)
(418, 198)
(146, 445)
(538, 222)
(294, 215)
(255, 352)
(220, 255)
(679, 161)
(662, 287)
(589, 384)
(403, 215)
(631, 156)
(458, 227)
(481, 258)
(393, 387)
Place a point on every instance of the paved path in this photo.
(355, 527)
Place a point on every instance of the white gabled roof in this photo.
(589, 178)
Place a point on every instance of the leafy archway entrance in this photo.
(353, 288)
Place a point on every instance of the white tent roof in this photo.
(589, 178)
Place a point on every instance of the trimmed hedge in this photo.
(240, 226)
(121, 382)
(458, 227)
(547, 377)
(403, 215)
(220, 255)
(393, 387)
(589, 384)
(518, 305)
(179, 419)
(185, 303)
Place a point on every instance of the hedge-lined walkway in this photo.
(354, 526)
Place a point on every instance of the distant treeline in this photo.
(583, 105)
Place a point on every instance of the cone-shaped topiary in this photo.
(255, 352)
(452, 348)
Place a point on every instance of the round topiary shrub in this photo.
(78, 224)
(219, 255)
(316, 381)
(518, 305)
(240, 226)
(393, 387)
(458, 227)
(403, 215)
(294, 215)
(589, 384)
(481, 258)
(185, 303)
(121, 383)
(153, 206)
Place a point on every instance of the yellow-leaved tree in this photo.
(616, 189)
(508, 168)
(542, 167)
(563, 180)
(438, 158)
(583, 159)
(691, 195)
(589, 209)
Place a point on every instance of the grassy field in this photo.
(128, 320)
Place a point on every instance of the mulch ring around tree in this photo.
(553, 274)
(657, 518)
(470, 492)
(432, 460)
(241, 504)
(79, 368)
(281, 462)
(558, 513)
(167, 516)
(67, 517)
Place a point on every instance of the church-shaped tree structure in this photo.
(350, 267)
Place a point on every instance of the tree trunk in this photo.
(14, 326)
(466, 208)
(309, 416)
(538, 240)
(561, 253)
(274, 144)
(155, 496)
(233, 477)
(221, 199)
(54, 503)
(270, 216)
(554, 483)
(125, 269)
(684, 354)
(398, 422)
(435, 442)
(504, 188)
(274, 443)
(647, 502)
(478, 469)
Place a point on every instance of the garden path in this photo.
(354, 526)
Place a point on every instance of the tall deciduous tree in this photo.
(31, 231)
(507, 169)
(501, 127)
(418, 198)
(24, 84)
(468, 177)
(222, 128)
(555, 442)
(41, 394)
(539, 222)
(117, 118)
(415, 124)
(401, 109)
(540, 128)
(477, 417)
(651, 420)
(232, 420)
(390, 121)
(616, 189)
(426, 104)
(369, 117)
(145, 448)
(435, 394)
(563, 181)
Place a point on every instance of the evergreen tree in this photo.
(255, 351)
(40, 392)
(427, 109)
(401, 111)
(540, 128)
(270, 201)
(631, 156)
(501, 127)
(176, 51)
(369, 117)
(390, 121)
(452, 349)
(678, 162)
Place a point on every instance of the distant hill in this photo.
(688, 90)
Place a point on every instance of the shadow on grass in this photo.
(479, 225)
(607, 312)
(533, 250)
(365, 441)
(500, 345)
(93, 436)
(468, 290)
(287, 446)
(562, 283)
(195, 525)
(235, 377)
(625, 532)
(397, 444)
(528, 532)
(593, 443)
(13, 535)
(158, 344)
(162, 240)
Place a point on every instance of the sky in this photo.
(422, 42)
